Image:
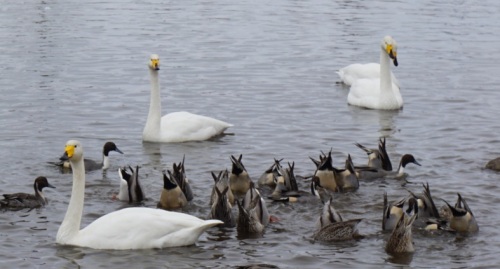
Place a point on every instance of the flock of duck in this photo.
(371, 86)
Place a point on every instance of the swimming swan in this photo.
(176, 126)
(378, 93)
(129, 228)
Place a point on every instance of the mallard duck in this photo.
(176, 126)
(128, 228)
(27, 200)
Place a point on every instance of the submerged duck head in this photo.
(390, 46)
(154, 62)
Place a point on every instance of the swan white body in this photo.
(378, 93)
(177, 126)
(129, 228)
(353, 72)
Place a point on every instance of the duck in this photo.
(462, 219)
(426, 207)
(372, 173)
(392, 213)
(130, 187)
(221, 182)
(267, 178)
(290, 180)
(338, 231)
(221, 209)
(179, 175)
(378, 93)
(27, 200)
(176, 127)
(92, 165)
(239, 180)
(318, 192)
(250, 221)
(493, 164)
(347, 179)
(328, 215)
(325, 172)
(260, 207)
(172, 196)
(128, 228)
(377, 158)
(401, 239)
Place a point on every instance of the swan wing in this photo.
(184, 126)
(366, 93)
(140, 228)
(353, 72)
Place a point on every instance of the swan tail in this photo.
(187, 236)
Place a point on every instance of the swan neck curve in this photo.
(385, 72)
(152, 128)
(71, 223)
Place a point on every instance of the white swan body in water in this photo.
(129, 228)
(176, 126)
(378, 93)
(353, 72)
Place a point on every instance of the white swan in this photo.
(129, 228)
(378, 93)
(353, 72)
(176, 126)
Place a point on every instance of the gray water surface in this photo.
(74, 70)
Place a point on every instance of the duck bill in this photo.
(417, 163)
(50, 186)
(118, 150)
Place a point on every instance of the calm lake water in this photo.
(73, 70)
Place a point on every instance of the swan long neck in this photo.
(71, 223)
(385, 72)
(153, 122)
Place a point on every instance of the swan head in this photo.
(154, 62)
(73, 150)
(390, 46)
